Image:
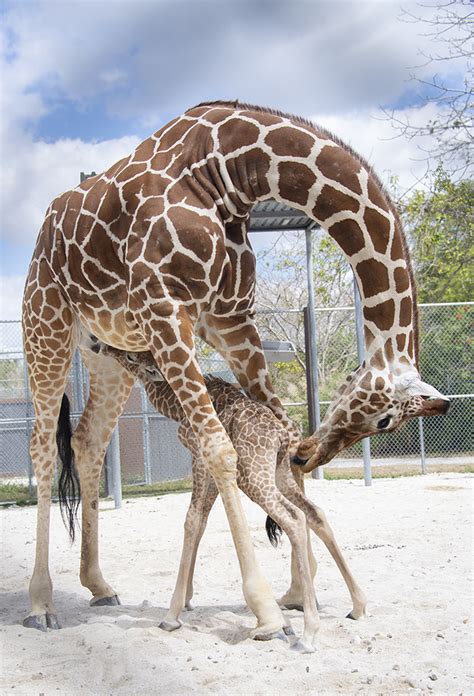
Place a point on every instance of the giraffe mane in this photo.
(244, 106)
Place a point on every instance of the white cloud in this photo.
(336, 60)
(40, 171)
(11, 293)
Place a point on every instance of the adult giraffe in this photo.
(156, 249)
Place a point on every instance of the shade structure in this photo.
(271, 216)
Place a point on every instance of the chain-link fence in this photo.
(149, 450)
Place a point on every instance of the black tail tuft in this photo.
(69, 490)
(274, 531)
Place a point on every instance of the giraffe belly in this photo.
(113, 328)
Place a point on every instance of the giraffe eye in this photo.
(384, 423)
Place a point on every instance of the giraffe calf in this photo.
(264, 474)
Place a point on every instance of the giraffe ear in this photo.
(411, 385)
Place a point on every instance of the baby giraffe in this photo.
(264, 474)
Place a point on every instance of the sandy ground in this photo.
(408, 541)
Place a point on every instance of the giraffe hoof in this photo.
(52, 622)
(289, 631)
(290, 605)
(188, 607)
(279, 635)
(42, 622)
(170, 625)
(356, 614)
(303, 648)
(113, 601)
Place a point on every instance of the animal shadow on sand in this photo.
(230, 623)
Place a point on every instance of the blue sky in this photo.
(84, 81)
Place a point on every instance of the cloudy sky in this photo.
(83, 82)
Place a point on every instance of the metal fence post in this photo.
(312, 348)
(146, 435)
(28, 425)
(113, 478)
(359, 320)
(78, 382)
(422, 445)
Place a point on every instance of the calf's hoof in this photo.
(302, 647)
(170, 625)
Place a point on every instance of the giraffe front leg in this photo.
(171, 342)
(203, 497)
(110, 387)
(256, 590)
(238, 341)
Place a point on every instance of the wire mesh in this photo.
(150, 450)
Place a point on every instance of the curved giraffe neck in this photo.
(258, 154)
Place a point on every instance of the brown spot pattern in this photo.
(235, 133)
(348, 235)
(382, 315)
(402, 279)
(405, 311)
(286, 140)
(378, 228)
(338, 164)
(295, 181)
(374, 277)
(331, 201)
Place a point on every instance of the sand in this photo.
(408, 542)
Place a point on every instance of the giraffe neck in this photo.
(143, 367)
(259, 155)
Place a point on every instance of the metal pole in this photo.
(78, 384)
(312, 354)
(28, 426)
(359, 320)
(422, 446)
(113, 474)
(146, 435)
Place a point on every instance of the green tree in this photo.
(440, 226)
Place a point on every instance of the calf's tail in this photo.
(274, 531)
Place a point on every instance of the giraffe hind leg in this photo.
(109, 388)
(48, 346)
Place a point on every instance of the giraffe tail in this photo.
(69, 490)
(274, 531)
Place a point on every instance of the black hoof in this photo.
(289, 631)
(52, 622)
(349, 616)
(41, 622)
(169, 626)
(298, 607)
(113, 601)
(299, 462)
(279, 635)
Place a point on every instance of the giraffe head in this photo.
(369, 402)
